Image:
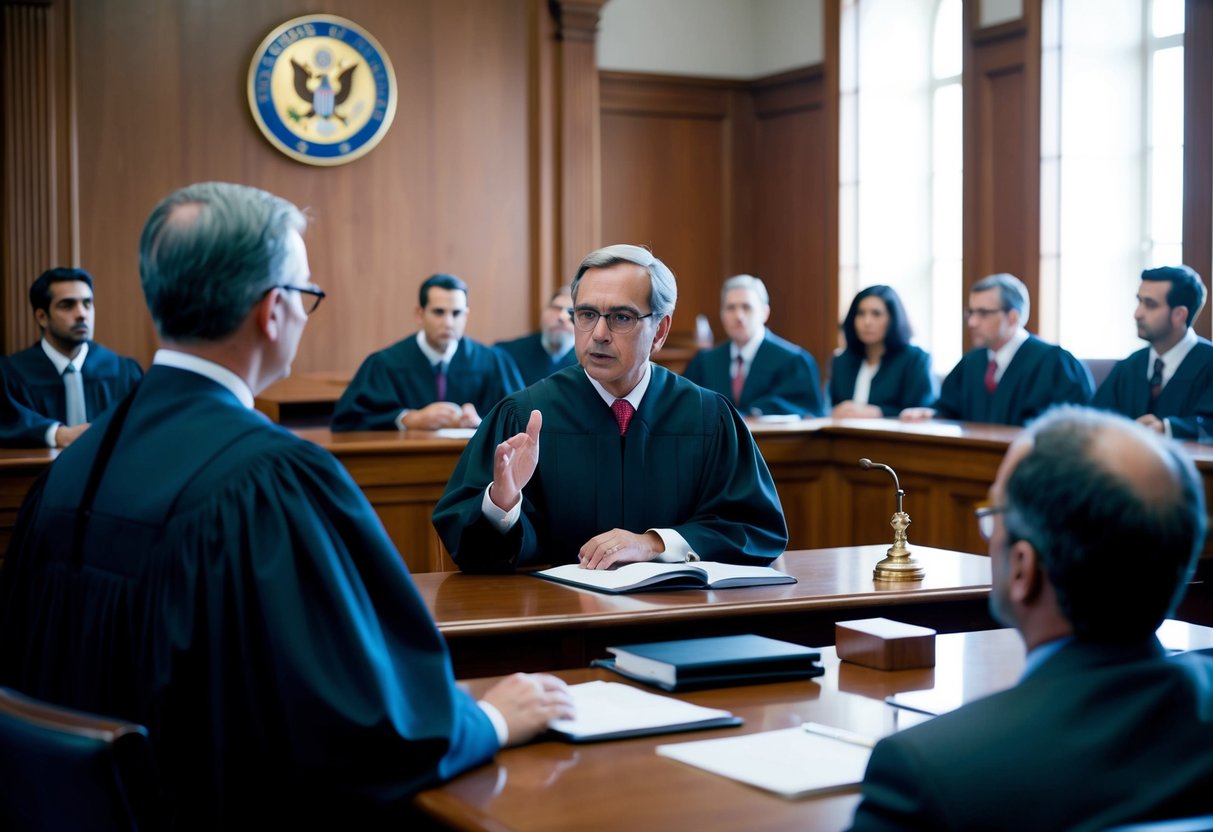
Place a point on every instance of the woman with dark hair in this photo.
(880, 372)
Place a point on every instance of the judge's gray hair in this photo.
(745, 281)
(209, 252)
(1012, 294)
(663, 292)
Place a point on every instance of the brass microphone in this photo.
(897, 565)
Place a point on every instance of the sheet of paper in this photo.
(611, 707)
(790, 762)
(455, 433)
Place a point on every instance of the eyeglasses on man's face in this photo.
(982, 313)
(317, 294)
(619, 321)
(985, 519)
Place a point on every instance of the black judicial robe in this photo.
(401, 377)
(1188, 394)
(1096, 736)
(903, 380)
(238, 596)
(688, 463)
(34, 398)
(532, 360)
(783, 378)
(1039, 376)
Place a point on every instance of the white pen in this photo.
(838, 734)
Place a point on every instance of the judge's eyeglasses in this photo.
(316, 292)
(618, 321)
(985, 519)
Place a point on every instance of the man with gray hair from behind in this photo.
(638, 463)
(191, 566)
(1010, 376)
(1095, 525)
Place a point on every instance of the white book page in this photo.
(720, 571)
(610, 707)
(624, 576)
(791, 762)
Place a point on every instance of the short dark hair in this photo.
(1118, 559)
(897, 338)
(440, 281)
(1187, 289)
(40, 289)
(209, 252)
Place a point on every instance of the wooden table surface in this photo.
(624, 785)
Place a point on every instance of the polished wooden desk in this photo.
(304, 399)
(500, 623)
(624, 785)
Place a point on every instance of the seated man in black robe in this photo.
(54, 389)
(762, 373)
(1010, 376)
(189, 565)
(1168, 385)
(638, 463)
(436, 378)
(542, 353)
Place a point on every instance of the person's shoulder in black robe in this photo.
(402, 378)
(33, 396)
(687, 463)
(783, 378)
(532, 360)
(1187, 396)
(903, 380)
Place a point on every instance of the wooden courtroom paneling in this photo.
(1198, 146)
(1002, 149)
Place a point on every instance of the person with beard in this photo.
(1168, 385)
(53, 390)
(542, 353)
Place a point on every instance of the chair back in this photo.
(66, 769)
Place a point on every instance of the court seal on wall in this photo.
(322, 90)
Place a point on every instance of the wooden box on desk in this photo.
(884, 645)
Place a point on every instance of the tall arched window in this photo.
(900, 161)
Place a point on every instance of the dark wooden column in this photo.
(1198, 146)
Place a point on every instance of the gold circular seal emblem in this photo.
(322, 90)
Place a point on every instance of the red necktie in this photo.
(991, 382)
(738, 380)
(623, 414)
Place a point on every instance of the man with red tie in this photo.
(1168, 385)
(638, 463)
(761, 372)
(1010, 376)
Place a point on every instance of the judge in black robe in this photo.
(687, 463)
(782, 380)
(402, 378)
(533, 360)
(1187, 396)
(34, 396)
(903, 380)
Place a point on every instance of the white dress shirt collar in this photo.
(747, 352)
(431, 354)
(220, 375)
(61, 361)
(1173, 358)
(1005, 354)
(634, 396)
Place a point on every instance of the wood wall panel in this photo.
(1198, 146)
(1002, 149)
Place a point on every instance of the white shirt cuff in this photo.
(1166, 428)
(50, 434)
(502, 521)
(499, 723)
(400, 419)
(677, 550)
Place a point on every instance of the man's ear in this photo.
(268, 314)
(1025, 574)
(1179, 316)
(41, 316)
(419, 315)
(663, 332)
(766, 312)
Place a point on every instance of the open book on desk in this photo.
(614, 711)
(651, 575)
(792, 762)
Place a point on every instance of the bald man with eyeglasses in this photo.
(637, 463)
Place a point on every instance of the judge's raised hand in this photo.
(469, 418)
(514, 463)
(619, 546)
(434, 417)
(528, 702)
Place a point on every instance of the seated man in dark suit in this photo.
(226, 583)
(542, 353)
(434, 379)
(638, 464)
(1095, 526)
(1010, 376)
(1168, 385)
(54, 389)
(761, 373)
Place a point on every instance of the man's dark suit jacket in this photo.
(1039, 376)
(1098, 735)
(1188, 394)
(33, 396)
(903, 380)
(533, 361)
(782, 380)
